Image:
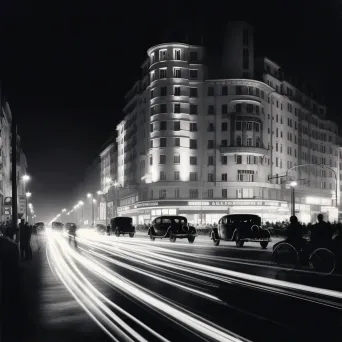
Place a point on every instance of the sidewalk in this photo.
(22, 316)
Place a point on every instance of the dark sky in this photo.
(65, 68)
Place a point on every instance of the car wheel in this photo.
(172, 238)
(239, 243)
(131, 234)
(191, 239)
(264, 244)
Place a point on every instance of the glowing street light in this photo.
(293, 184)
(64, 210)
(89, 195)
(80, 203)
(26, 178)
(28, 194)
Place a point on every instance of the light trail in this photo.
(160, 265)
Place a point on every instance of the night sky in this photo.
(65, 68)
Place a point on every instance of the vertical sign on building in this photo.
(22, 206)
(102, 211)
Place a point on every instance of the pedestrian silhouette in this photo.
(25, 240)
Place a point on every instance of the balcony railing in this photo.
(236, 149)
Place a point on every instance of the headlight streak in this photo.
(196, 326)
(153, 258)
(156, 277)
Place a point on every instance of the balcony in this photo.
(255, 150)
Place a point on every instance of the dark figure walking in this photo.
(72, 234)
(25, 240)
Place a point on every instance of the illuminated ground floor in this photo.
(210, 211)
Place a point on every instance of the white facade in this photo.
(204, 147)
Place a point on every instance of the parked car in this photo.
(39, 227)
(100, 228)
(172, 227)
(70, 227)
(122, 225)
(58, 226)
(240, 228)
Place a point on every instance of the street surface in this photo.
(134, 289)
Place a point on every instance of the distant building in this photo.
(203, 147)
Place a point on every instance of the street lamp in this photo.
(28, 195)
(293, 184)
(90, 196)
(80, 204)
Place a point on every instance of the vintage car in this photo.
(122, 225)
(172, 227)
(58, 226)
(100, 228)
(39, 227)
(240, 228)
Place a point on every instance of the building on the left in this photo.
(6, 166)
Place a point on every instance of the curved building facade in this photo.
(205, 147)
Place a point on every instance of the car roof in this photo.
(172, 216)
(71, 223)
(241, 215)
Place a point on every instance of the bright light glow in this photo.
(94, 200)
(64, 210)
(89, 195)
(30, 205)
(80, 203)
(28, 194)
(108, 180)
(293, 184)
(58, 215)
(26, 178)
(75, 206)
(99, 192)
(116, 184)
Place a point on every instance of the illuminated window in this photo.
(177, 54)
(162, 55)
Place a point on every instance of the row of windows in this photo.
(176, 73)
(177, 108)
(177, 91)
(242, 176)
(177, 54)
(193, 127)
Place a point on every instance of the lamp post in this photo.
(81, 203)
(93, 210)
(28, 195)
(90, 196)
(293, 184)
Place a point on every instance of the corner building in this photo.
(203, 146)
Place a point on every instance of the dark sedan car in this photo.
(172, 227)
(240, 228)
(122, 225)
(58, 226)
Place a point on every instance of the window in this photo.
(238, 159)
(210, 193)
(162, 159)
(224, 126)
(224, 177)
(256, 126)
(245, 176)
(162, 55)
(162, 175)
(238, 108)
(249, 142)
(210, 160)
(193, 92)
(224, 160)
(193, 193)
(224, 193)
(210, 91)
(163, 91)
(151, 160)
(257, 142)
(176, 175)
(211, 127)
(162, 194)
(162, 142)
(151, 127)
(193, 126)
(193, 144)
(193, 176)
(163, 108)
(177, 108)
(177, 91)
(177, 193)
(193, 57)
(224, 109)
(177, 54)
(176, 126)
(163, 125)
(224, 90)
(248, 126)
(162, 73)
(249, 108)
(193, 160)
(193, 109)
(193, 74)
(152, 94)
(238, 141)
(224, 143)
(177, 142)
(210, 177)
(211, 110)
(176, 158)
(238, 126)
(151, 143)
(177, 73)
(210, 144)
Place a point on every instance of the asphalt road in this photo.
(133, 289)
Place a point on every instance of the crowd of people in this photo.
(22, 233)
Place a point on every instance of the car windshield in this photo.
(123, 220)
(179, 220)
(248, 220)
